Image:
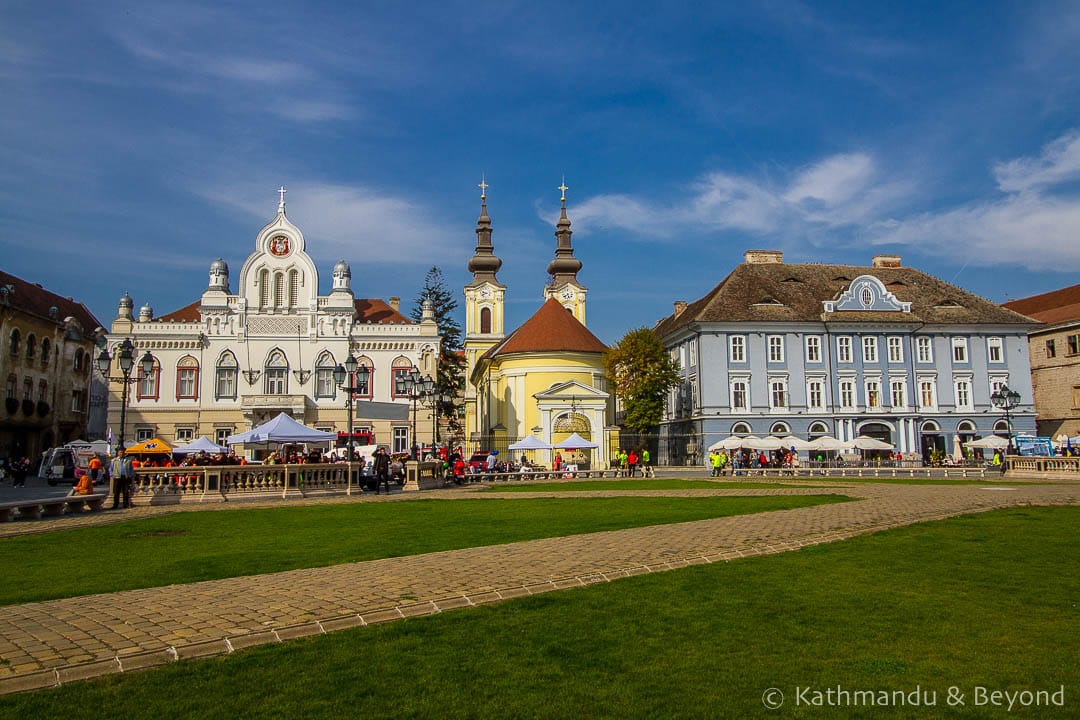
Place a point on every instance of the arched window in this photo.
(31, 346)
(1001, 429)
(294, 288)
(965, 427)
(324, 376)
(12, 383)
(78, 360)
(780, 428)
(187, 378)
(363, 384)
(264, 288)
(16, 341)
(485, 320)
(149, 383)
(740, 428)
(28, 389)
(279, 289)
(572, 422)
(225, 377)
(818, 429)
(401, 366)
(930, 427)
(42, 391)
(45, 348)
(276, 373)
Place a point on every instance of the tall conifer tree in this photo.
(451, 366)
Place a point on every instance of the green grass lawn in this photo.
(187, 547)
(631, 484)
(986, 600)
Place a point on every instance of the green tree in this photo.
(450, 378)
(641, 372)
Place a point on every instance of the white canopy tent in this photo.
(865, 442)
(797, 443)
(203, 444)
(826, 442)
(530, 442)
(990, 442)
(282, 429)
(732, 443)
(576, 442)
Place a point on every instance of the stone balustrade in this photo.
(242, 479)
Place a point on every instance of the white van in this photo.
(67, 463)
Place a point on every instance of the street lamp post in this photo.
(1005, 399)
(126, 358)
(357, 377)
(414, 386)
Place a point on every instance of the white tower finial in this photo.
(281, 203)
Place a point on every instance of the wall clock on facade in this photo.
(279, 246)
(485, 293)
(567, 294)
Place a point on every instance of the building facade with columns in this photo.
(842, 350)
(230, 361)
(545, 378)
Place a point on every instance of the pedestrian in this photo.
(94, 466)
(714, 460)
(646, 468)
(381, 470)
(121, 474)
(631, 461)
(20, 468)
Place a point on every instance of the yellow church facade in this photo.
(546, 378)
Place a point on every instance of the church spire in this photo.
(484, 264)
(565, 266)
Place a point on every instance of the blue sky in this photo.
(142, 140)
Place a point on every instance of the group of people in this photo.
(629, 461)
(745, 458)
(16, 468)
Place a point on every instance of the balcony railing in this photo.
(242, 479)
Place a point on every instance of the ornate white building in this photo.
(228, 362)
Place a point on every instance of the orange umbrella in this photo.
(153, 446)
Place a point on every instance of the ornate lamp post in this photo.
(414, 386)
(357, 377)
(126, 360)
(1005, 399)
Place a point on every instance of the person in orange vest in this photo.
(94, 466)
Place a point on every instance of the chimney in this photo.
(763, 257)
(680, 306)
(886, 261)
(394, 303)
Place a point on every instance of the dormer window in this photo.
(866, 297)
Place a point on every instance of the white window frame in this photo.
(745, 382)
(872, 388)
(221, 436)
(778, 391)
(325, 387)
(870, 349)
(400, 440)
(815, 394)
(960, 350)
(924, 350)
(895, 345)
(997, 381)
(995, 344)
(691, 349)
(898, 393)
(962, 394)
(843, 349)
(813, 348)
(925, 384)
(776, 348)
(846, 391)
(185, 434)
(143, 434)
(737, 348)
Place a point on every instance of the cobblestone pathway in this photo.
(59, 641)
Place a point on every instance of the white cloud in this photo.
(833, 181)
(1059, 162)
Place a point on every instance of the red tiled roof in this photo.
(552, 328)
(368, 310)
(1050, 307)
(33, 299)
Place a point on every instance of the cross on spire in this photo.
(564, 188)
(483, 187)
(281, 203)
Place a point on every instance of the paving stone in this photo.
(240, 642)
(87, 670)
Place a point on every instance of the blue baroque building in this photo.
(842, 350)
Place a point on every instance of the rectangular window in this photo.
(401, 439)
(869, 349)
(691, 350)
(1076, 396)
(776, 348)
(143, 434)
(148, 385)
(994, 351)
(324, 383)
(78, 401)
(813, 349)
(843, 349)
(1051, 349)
(847, 394)
(225, 384)
(896, 350)
(737, 348)
(363, 386)
(925, 350)
(740, 395)
(873, 394)
(815, 394)
(959, 350)
(398, 388)
(778, 394)
(1073, 341)
(185, 383)
(898, 391)
(185, 435)
(927, 394)
(221, 436)
(963, 394)
(276, 381)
